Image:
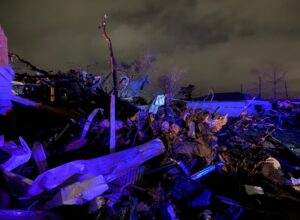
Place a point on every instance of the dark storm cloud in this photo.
(216, 41)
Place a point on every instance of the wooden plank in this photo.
(110, 166)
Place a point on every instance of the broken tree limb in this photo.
(110, 166)
(113, 62)
(29, 64)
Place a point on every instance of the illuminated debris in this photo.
(206, 171)
(80, 192)
(191, 129)
(6, 78)
(110, 166)
(253, 190)
(124, 182)
(76, 144)
(89, 121)
(157, 102)
(16, 184)
(132, 88)
(39, 156)
(21, 214)
(216, 123)
(182, 166)
(3, 49)
(19, 154)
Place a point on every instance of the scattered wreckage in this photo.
(195, 166)
(57, 161)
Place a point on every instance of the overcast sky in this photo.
(218, 42)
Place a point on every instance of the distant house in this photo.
(295, 101)
(232, 103)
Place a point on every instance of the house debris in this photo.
(195, 164)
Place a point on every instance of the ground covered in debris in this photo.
(56, 161)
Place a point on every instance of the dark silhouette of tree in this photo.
(186, 91)
(269, 77)
(141, 66)
(169, 82)
(275, 76)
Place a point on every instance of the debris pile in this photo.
(63, 155)
(196, 165)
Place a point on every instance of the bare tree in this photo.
(141, 66)
(186, 91)
(286, 90)
(170, 83)
(275, 76)
(271, 76)
(113, 62)
(257, 85)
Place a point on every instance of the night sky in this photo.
(217, 42)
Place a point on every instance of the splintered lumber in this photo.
(39, 156)
(19, 154)
(112, 138)
(110, 167)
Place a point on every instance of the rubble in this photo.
(86, 157)
(179, 177)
